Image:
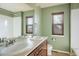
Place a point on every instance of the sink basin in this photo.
(25, 44)
(21, 44)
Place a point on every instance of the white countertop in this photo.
(22, 47)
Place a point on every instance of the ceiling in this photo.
(16, 7)
(43, 5)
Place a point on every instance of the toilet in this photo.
(50, 48)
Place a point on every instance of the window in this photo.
(29, 24)
(58, 23)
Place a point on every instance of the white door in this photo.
(75, 30)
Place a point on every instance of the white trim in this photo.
(75, 9)
(61, 51)
(57, 35)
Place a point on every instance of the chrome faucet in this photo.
(8, 42)
(1, 40)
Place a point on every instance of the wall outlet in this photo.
(54, 39)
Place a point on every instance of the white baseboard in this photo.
(61, 51)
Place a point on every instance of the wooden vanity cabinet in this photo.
(41, 50)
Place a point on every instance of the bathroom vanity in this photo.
(36, 46)
(41, 50)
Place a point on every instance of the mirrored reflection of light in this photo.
(6, 23)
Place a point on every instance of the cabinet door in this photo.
(43, 52)
(32, 54)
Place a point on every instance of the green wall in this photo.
(37, 20)
(74, 5)
(36, 11)
(17, 14)
(23, 16)
(61, 43)
(6, 12)
(26, 14)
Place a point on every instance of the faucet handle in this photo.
(6, 43)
